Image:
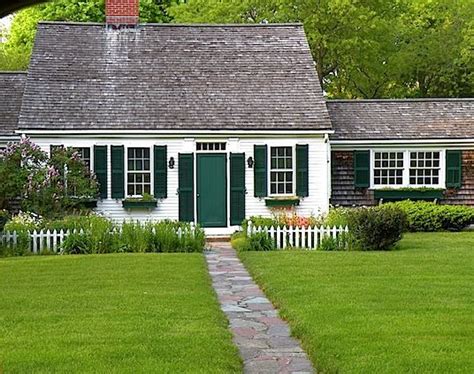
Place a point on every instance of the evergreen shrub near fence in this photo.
(96, 234)
(428, 216)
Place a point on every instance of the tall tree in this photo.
(368, 48)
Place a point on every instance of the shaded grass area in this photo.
(112, 313)
(408, 310)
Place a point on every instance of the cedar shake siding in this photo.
(465, 194)
(344, 193)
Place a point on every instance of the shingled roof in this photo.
(193, 77)
(402, 119)
(11, 89)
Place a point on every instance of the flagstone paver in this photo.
(263, 339)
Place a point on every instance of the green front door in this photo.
(212, 190)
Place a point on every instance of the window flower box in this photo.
(282, 201)
(411, 194)
(138, 203)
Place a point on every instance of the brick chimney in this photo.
(121, 12)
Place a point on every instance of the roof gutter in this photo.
(379, 143)
(174, 133)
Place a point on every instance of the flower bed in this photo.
(26, 234)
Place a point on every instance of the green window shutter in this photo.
(186, 187)
(237, 188)
(118, 174)
(260, 170)
(362, 169)
(302, 188)
(160, 172)
(453, 169)
(100, 169)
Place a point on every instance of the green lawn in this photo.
(409, 310)
(112, 313)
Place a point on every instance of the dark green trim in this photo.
(139, 204)
(280, 202)
(160, 171)
(186, 187)
(453, 169)
(396, 195)
(260, 155)
(237, 188)
(118, 174)
(100, 168)
(302, 185)
(361, 169)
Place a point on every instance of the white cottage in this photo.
(216, 122)
(222, 122)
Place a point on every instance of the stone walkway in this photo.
(263, 339)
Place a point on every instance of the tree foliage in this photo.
(362, 48)
(369, 48)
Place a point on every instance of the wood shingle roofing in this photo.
(183, 77)
(11, 89)
(402, 119)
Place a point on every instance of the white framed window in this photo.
(281, 171)
(138, 171)
(85, 155)
(425, 168)
(395, 168)
(388, 168)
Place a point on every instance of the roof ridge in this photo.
(289, 24)
(425, 99)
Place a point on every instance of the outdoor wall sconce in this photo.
(250, 162)
(171, 163)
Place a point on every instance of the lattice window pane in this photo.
(281, 170)
(424, 168)
(388, 168)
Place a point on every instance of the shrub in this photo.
(50, 186)
(376, 228)
(238, 240)
(339, 243)
(77, 243)
(22, 223)
(3, 219)
(259, 241)
(428, 216)
(337, 217)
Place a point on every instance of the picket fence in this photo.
(298, 237)
(50, 240)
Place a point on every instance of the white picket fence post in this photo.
(309, 237)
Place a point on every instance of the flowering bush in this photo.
(282, 218)
(49, 187)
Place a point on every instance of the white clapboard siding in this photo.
(319, 173)
(47, 240)
(309, 237)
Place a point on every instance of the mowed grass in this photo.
(135, 313)
(406, 311)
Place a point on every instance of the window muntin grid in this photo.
(281, 170)
(85, 155)
(138, 173)
(425, 168)
(388, 168)
(210, 146)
